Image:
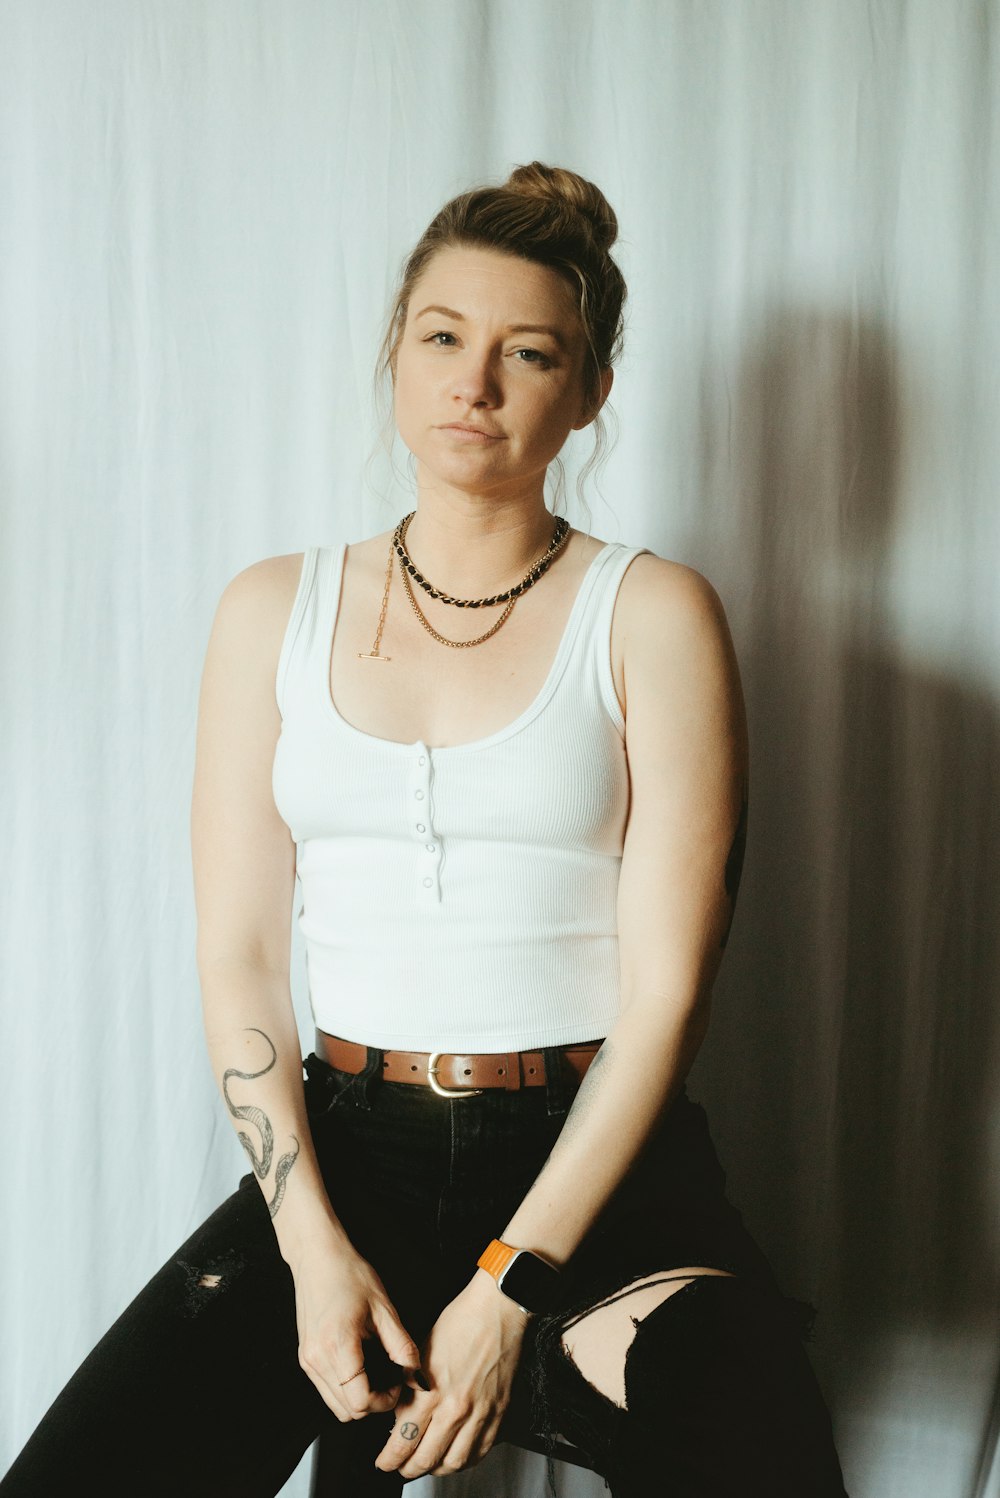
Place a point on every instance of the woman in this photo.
(519, 834)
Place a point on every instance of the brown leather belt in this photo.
(452, 1075)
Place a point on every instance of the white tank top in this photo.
(459, 898)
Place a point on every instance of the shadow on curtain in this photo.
(850, 1071)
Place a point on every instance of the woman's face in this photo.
(494, 342)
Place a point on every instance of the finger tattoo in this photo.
(409, 1431)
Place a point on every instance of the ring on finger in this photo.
(353, 1376)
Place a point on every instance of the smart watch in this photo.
(528, 1279)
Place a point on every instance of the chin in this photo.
(467, 464)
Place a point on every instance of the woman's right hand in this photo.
(340, 1302)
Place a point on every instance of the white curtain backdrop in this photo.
(203, 206)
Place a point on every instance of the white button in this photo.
(428, 883)
(419, 795)
(421, 827)
(421, 760)
(431, 847)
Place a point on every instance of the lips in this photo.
(468, 430)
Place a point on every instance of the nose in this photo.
(474, 379)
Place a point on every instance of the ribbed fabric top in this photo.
(459, 898)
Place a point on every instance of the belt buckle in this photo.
(432, 1061)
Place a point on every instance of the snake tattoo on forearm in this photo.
(258, 1118)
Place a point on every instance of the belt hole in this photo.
(499, 1071)
(531, 1071)
(384, 1065)
(468, 1071)
(413, 1068)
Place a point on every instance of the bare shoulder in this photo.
(676, 648)
(658, 594)
(259, 598)
(245, 640)
(270, 581)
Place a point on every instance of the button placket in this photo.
(428, 849)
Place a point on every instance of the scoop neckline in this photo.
(521, 721)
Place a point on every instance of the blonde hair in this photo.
(555, 218)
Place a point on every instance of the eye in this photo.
(537, 356)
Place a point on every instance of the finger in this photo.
(469, 1445)
(331, 1371)
(384, 1374)
(468, 1449)
(351, 1378)
(384, 1378)
(410, 1426)
(343, 1414)
(364, 1400)
(329, 1393)
(432, 1449)
(429, 1447)
(394, 1337)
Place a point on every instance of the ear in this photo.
(591, 410)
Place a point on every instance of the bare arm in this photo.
(243, 862)
(687, 754)
(244, 876)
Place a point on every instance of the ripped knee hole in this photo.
(599, 1340)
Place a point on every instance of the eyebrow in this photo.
(522, 327)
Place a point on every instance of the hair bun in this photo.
(570, 191)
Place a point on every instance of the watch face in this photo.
(529, 1280)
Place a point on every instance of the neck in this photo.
(471, 548)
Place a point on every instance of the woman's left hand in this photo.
(469, 1360)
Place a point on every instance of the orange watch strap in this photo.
(495, 1257)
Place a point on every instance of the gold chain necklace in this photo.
(458, 644)
(407, 569)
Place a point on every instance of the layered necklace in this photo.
(397, 547)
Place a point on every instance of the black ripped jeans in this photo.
(197, 1390)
